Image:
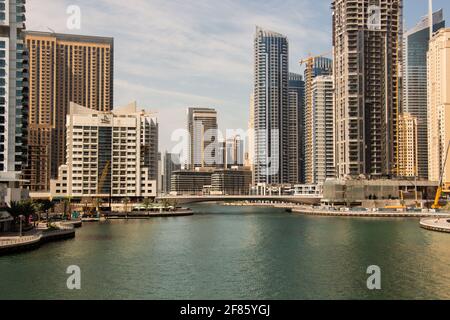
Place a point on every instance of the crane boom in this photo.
(441, 181)
(101, 181)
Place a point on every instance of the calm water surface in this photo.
(236, 253)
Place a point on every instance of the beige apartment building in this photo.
(438, 104)
(408, 146)
(109, 154)
(62, 69)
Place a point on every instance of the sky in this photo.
(174, 54)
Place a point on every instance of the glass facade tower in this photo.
(415, 83)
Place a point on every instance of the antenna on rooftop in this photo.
(430, 17)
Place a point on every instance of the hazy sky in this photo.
(171, 54)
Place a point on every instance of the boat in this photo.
(95, 217)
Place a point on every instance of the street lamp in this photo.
(20, 222)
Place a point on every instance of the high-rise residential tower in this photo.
(296, 129)
(171, 164)
(320, 66)
(439, 105)
(13, 88)
(322, 130)
(408, 146)
(63, 69)
(415, 82)
(234, 152)
(251, 136)
(271, 99)
(367, 59)
(203, 138)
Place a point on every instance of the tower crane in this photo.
(95, 201)
(441, 185)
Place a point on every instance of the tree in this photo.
(174, 203)
(23, 208)
(15, 209)
(67, 206)
(165, 204)
(45, 206)
(147, 203)
(126, 201)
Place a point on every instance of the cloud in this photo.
(173, 54)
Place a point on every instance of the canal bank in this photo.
(224, 252)
(16, 244)
(436, 224)
(336, 212)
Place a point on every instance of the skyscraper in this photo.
(319, 66)
(408, 146)
(270, 107)
(63, 69)
(13, 87)
(296, 129)
(171, 164)
(234, 151)
(367, 59)
(415, 82)
(250, 155)
(322, 130)
(438, 105)
(203, 139)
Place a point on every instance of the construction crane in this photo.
(440, 188)
(95, 201)
(101, 181)
(309, 61)
(309, 65)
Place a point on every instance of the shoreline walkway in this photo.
(32, 240)
(370, 214)
(436, 224)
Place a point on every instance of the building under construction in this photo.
(367, 59)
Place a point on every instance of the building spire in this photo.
(430, 17)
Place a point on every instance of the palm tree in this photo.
(24, 208)
(147, 203)
(126, 201)
(44, 206)
(28, 210)
(15, 210)
(38, 209)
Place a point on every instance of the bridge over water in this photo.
(302, 199)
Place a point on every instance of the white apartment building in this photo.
(322, 130)
(109, 154)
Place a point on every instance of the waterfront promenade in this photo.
(369, 214)
(436, 224)
(36, 237)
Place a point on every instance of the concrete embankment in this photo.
(369, 214)
(15, 244)
(436, 224)
(147, 215)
